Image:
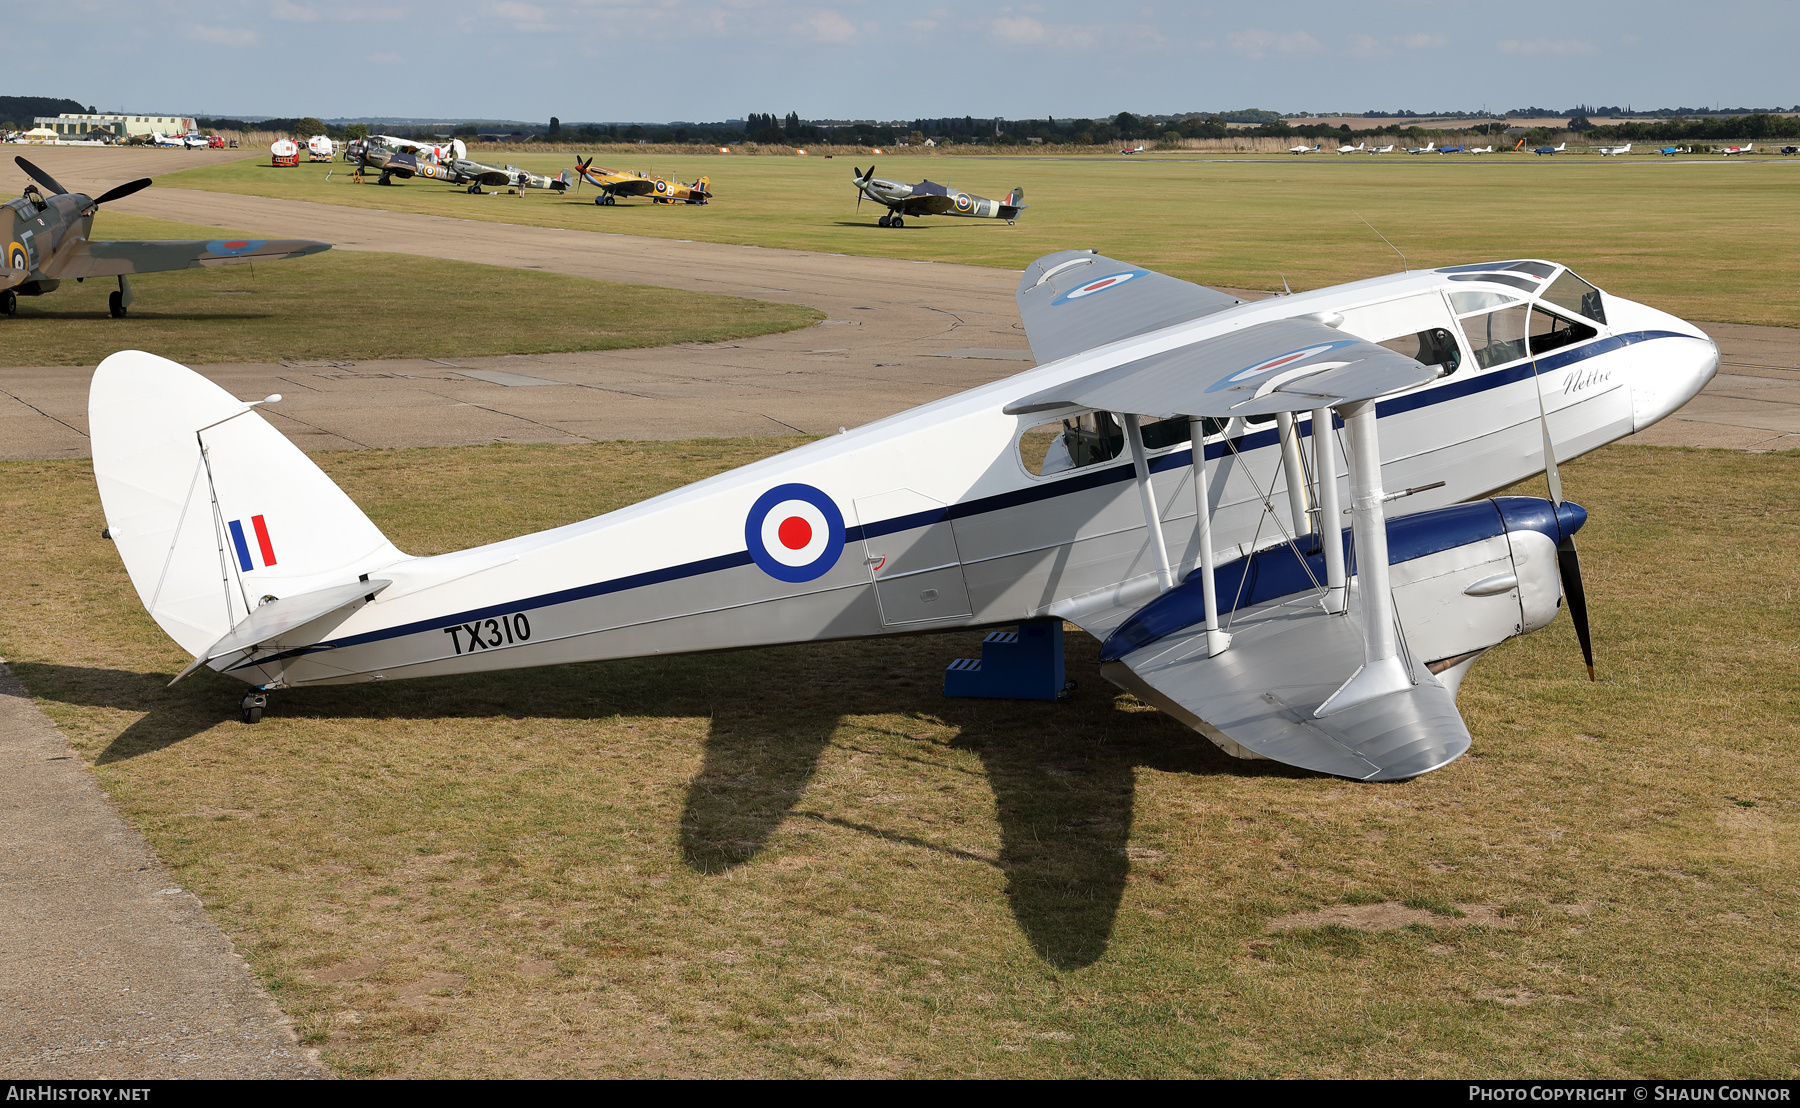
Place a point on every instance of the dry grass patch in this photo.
(805, 861)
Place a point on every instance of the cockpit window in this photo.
(1550, 331)
(1577, 296)
(1497, 337)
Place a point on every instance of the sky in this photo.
(707, 60)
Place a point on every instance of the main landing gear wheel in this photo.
(250, 709)
(599, 201)
(611, 200)
(898, 222)
(475, 189)
(885, 221)
(114, 303)
(9, 302)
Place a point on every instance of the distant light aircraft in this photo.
(1348, 149)
(1388, 149)
(47, 244)
(1728, 151)
(187, 142)
(1614, 151)
(1313, 149)
(1450, 149)
(1146, 481)
(614, 183)
(1481, 149)
(1672, 151)
(1426, 149)
(1557, 149)
(930, 198)
(1790, 151)
(1138, 149)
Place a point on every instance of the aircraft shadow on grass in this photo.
(1062, 775)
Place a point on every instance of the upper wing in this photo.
(1287, 656)
(1063, 313)
(112, 258)
(1281, 366)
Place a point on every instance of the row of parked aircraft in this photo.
(1603, 151)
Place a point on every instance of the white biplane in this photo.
(1071, 491)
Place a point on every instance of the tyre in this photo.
(115, 304)
(9, 303)
(898, 222)
(251, 714)
(599, 201)
(885, 221)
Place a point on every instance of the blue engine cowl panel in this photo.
(1277, 571)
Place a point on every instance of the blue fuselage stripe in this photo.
(243, 548)
(1079, 482)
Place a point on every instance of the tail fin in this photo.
(205, 534)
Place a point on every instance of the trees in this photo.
(555, 128)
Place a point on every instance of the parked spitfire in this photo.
(1145, 481)
(930, 198)
(614, 183)
(47, 244)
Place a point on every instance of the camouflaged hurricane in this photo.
(47, 243)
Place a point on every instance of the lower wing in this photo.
(114, 258)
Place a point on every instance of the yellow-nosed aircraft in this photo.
(614, 183)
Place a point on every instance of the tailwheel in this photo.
(114, 303)
(250, 709)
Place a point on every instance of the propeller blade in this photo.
(41, 177)
(1568, 564)
(123, 190)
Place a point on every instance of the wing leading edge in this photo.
(1075, 300)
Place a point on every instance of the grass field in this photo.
(805, 861)
(1707, 240)
(364, 305)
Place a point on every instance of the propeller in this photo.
(1568, 560)
(862, 182)
(41, 177)
(123, 190)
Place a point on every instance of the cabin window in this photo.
(1091, 438)
(1432, 346)
(1577, 297)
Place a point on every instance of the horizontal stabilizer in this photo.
(1285, 365)
(1075, 300)
(278, 617)
(275, 618)
(1287, 657)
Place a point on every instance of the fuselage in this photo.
(956, 515)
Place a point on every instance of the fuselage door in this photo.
(911, 554)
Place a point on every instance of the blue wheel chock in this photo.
(1026, 664)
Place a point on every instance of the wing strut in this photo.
(1382, 672)
(1325, 465)
(1216, 640)
(1134, 437)
(1296, 473)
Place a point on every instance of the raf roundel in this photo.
(230, 248)
(794, 532)
(1098, 284)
